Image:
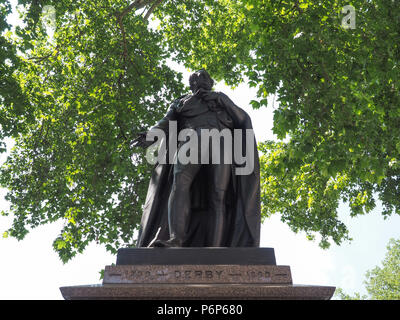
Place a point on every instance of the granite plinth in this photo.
(196, 256)
(197, 291)
(197, 274)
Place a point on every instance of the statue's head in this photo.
(200, 79)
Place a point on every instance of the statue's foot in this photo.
(167, 243)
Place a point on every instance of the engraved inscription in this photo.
(259, 275)
(200, 275)
(147, 275)
(197, 274)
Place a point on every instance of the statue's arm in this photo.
(163, 124)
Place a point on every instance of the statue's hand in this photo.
(141, 141)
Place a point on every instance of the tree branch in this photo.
(122, 28)
(128, 9)
(40, 59)
(150, 11)
(138, 4)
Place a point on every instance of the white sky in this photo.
(30, 269)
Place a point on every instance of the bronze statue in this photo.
(202, 204)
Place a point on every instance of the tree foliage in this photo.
(71, 104)
(89, 91)
(338, 93)
(10, 92)
(382, 283)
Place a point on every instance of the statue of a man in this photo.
(203, 203)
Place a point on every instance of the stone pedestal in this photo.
(197, 273)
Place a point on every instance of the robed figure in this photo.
(204, 203)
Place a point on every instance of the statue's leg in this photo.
(219, 177)
(179, 201)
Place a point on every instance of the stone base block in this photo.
(197, 274)
(197, 292)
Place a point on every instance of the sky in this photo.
(31, 269)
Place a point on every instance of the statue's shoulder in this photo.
(175, 104)
(182, 97)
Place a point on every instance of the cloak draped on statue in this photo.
(243, 219)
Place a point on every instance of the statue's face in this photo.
(200, 79)
(195, 81)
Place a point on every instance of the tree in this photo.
(10, 92)
(106, 72)
(338, 98)
(382, 283)
(85, 91)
